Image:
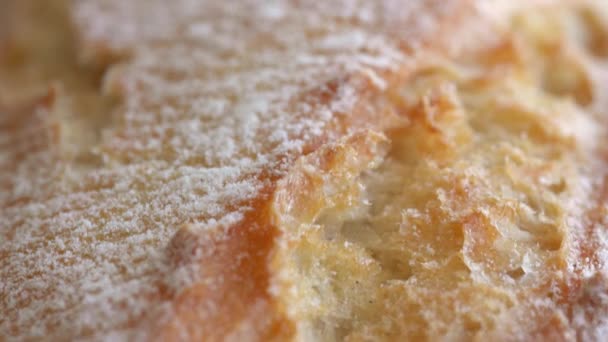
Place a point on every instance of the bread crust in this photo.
(176, 219)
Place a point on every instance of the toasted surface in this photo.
(194, 170)
(484, 220)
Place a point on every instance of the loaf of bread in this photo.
(345, 170)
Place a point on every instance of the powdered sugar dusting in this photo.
(213, 94)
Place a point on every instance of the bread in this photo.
(302, 170)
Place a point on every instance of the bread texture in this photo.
(303, 170)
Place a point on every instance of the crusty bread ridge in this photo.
(344, 170)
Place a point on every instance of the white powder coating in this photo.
(212, 94)
(217, 99)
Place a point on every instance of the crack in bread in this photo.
(480, 222)
(302, 170)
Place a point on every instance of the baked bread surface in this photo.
(349, 170)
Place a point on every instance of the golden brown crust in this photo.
(239, 124)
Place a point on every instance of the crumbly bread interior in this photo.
(485, 218)
(303, 170)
